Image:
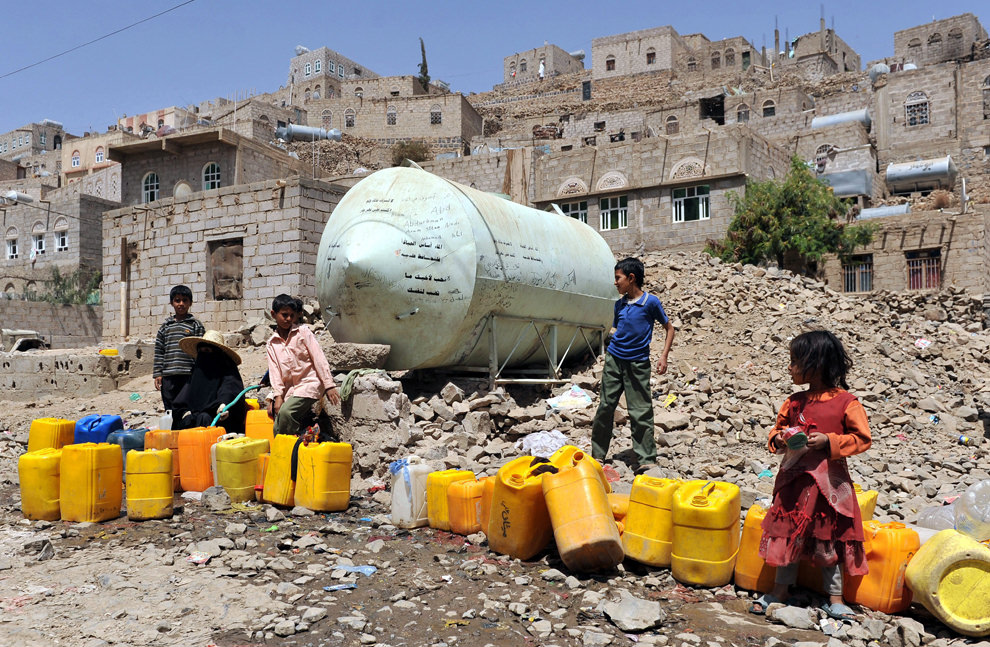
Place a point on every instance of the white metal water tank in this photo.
(923, 175)
(418, 262)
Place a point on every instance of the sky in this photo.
(205, 49)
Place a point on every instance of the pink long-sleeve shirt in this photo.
(297, 365)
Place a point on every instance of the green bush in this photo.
(78, 288)
(415, 150)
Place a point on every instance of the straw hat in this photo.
(210, 338)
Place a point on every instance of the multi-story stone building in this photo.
(636, 52)
(318, 74)
(818, 54)
(89, 155)
(540, 63)
(939, 41)
(705, 57)
(150, 122)
(33, 139)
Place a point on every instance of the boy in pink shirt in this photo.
(299, 372)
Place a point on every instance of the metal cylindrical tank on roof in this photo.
(923, 175)
(862, 116)
(418, 262)
(293, 132)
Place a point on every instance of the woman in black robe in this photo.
(214, 382)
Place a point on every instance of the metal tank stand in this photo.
(547, 331)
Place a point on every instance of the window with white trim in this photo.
(340, 71)
(821, 157)
(390, 116)
(38, 244)
(691, 203)
(308, 69)
(76, 160)
(916, 109)
(62, 241)
(333, 67)
(44, 138)
(612, 213)
(11, 243)
(149, 187)
(318, 66)
(576, 210)
(99, 155)
(211, 176)
(436, 115)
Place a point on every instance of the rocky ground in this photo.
(921, 372)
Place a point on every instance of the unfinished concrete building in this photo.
(949, 39)
(540, 63)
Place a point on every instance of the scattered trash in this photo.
(455, 623)
(340, 587)
(367, 571)
(781, 306)
(922, 343)
(966, 440)
(901, 437)
(574, 398)
(134, 397)
(198, 557)
(610, 474)
(830, 626)
(192, 496)
(934, 419)
(272, 528)
(542, 443)
(368, 519)
(669, 400)
(765, 474)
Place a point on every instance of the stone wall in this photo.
(278, 228)
(904, 141)
(26, 376)
(556, 61)
(63, 326)
(630, 52)
(938, 41)
(482, 172)
(960, 239)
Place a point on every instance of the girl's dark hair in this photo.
(632, 266)
(821, 352)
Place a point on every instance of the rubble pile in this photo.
(344, 157)
(263, 575)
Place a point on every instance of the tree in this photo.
(424, 73)
(415, 150)
(797, 217)
(78, 288)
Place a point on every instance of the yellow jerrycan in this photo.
(237, 466)
(950, 576)
(166, 439)
(323, 478)
(519, 525)
(437, 484)
(867, 500)
(752, 572)
(257, 424)
(279, 487)
(705, 533)
(889, 547)
(38, 472)
(464, 505)
(91, 486)
(564, 457)
(149, 484)
(581, 516)
(619, 504)
(52, 433)
(259, 478)
(648, 522)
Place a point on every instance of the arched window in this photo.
(716, 60)
(211, 176)
(99, 155)
(821, 157)
(76, 160)
(436, 115)
(326, 119)
(916, 109)
(651, 56)
(266, 124)
(307, 95)
(692, 64)
(769, 108)
(730, 57)
(359, 92)
(914, 45)
(11, 237)
(61, 235)
(954, 44)
(609, 63)
(349, 118)
(317, 66)
(149, 187)
(935, 45)
(38, 238)
(316, 93)
(512, 70)
(522, 66)
(309, 69)
(672, 125)
(330, 92)
(742, 113)
(986, 97)
(390, 116)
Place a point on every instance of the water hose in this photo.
(233, 402)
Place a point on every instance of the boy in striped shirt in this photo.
(172, 365)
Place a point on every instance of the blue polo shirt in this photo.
(633, 323)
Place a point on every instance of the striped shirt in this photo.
(169, 358)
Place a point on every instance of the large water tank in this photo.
(923, 175)
(420, 263)
(862, 116)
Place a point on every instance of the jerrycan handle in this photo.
(700, 499)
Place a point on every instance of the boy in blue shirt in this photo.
(627, 365)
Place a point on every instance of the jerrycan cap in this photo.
(857, 487)
(516, 479)
(699, 501)
(897, 525)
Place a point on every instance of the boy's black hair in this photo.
(285, 301)
(819, 351)
(632, 266)
(180, 291)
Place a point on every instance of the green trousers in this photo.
(296, 415)
(633, 378)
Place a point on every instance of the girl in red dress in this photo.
(815, 515)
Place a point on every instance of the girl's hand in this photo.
(818, 441)
(779, 444)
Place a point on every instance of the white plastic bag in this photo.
(542, 443)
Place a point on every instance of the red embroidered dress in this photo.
(815, 515)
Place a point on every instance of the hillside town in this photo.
(648, 140)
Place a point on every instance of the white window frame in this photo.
(99, 155)
(340, 71)
(76, 160)
(318, 66)
(38, 244)
(149, 193)
(62, 241)
(918, 104)
(391, 116)
(11, 249)
(577, 210)
(333, 67)
(308, 69)
(211, 176)
(691, 193)
(617, 206)
(44, 138)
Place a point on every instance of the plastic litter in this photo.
(198, 557)
(192, 496)
(922, 343)
(973, 511)
(271, 528)
(134, 397)
(542, 443)
(574, 398)
(367, 571)
(938, 517)
(765, 474)
(340, 587)
(669, 400)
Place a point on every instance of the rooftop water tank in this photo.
(418, 262)
(923, 175)
(295, 132)
(877, 70)
(862, 116)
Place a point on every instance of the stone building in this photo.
(236, 247)
(843, 155)
(540, 63)
(705, 57)
(318, 74)
(253, 118)
(33, 139)
(818, 54)
(196, 160)
(149, 122)
(939, 41)
(635, 52)
(88, 155)
(919, 251)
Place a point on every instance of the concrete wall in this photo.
(279, 229)
(960, 238)
(25, 376)
(64, 326)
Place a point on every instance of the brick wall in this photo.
(939, 83)
(630, 51)
(939, 40)
(279, 229)
(960, 239)
(64, 326)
